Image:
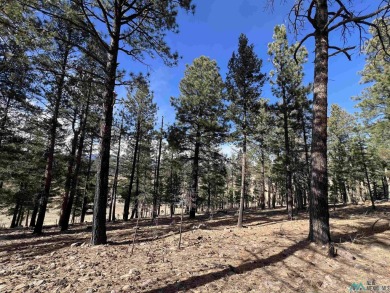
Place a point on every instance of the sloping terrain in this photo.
(269, 255)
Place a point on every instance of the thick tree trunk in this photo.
(100, 202)
(243, 178)
(319, 213)
(195, 177)
(128, 197)
(157, 179)
(52, 141)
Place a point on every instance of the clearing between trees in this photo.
(270, 254)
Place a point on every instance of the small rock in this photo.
(52, 265)
(146, 283)
(38, 282)
(125, 288)
(89, 290)
(125, 276)
(134, 272)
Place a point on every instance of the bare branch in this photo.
(300, 45)
(359, 19)
(341, 50)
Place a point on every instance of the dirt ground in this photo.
(270, 254)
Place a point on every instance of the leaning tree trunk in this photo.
(319, 213)
(100, 202)
(52, 141)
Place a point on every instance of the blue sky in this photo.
(213, 31)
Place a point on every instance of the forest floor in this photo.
(270, 254)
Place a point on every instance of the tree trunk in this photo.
(136, 200)
(69, 173)
(35, 210)
(14, 216)
(20, 217)
(100, 202)
(195, 177)
(157, 182)
(366, 174)
(115, 183)
(85, 197)
(385, 186)
(319, 213)
(307, 158)
(243, 177)
(50, 151)
(289, 192)
(27, 216)
(262, 195)
(172, 197)
(75, 175)
(128, 197)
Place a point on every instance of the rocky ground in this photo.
(269, 255)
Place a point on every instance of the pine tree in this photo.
(200, 115)
(243, 82)
(287, 86)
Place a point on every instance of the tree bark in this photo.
(366, 174)
(243, 178)
(195, 177)
(100, 202)
(319, 213)
(69, 173)
(85, 197)
(136, 200)
(288, 171)
(262, 193)
(75, 175)
(115, 183)
(156, 185)
(128, 197)
(15, 215)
